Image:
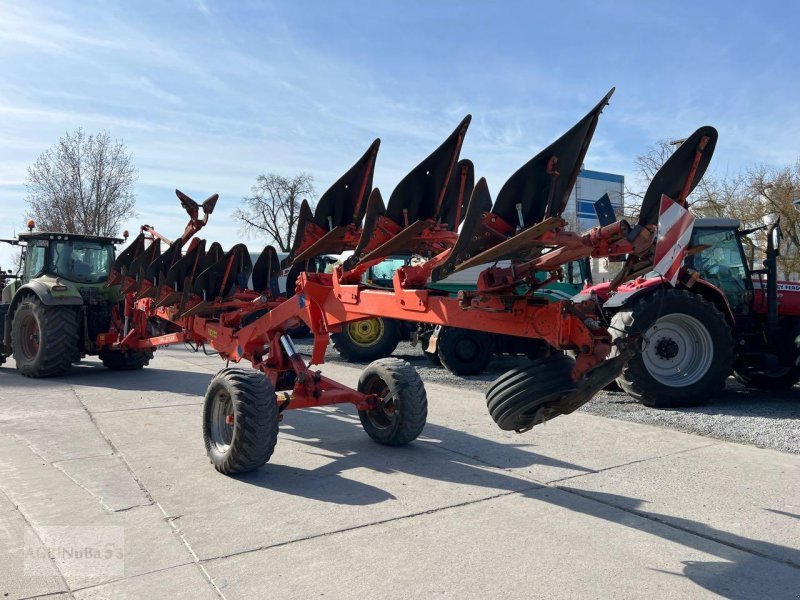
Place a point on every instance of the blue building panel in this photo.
(600, 176)
(590, 187)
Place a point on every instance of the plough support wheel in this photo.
(402, 405)
(240, 420)
(516, 398)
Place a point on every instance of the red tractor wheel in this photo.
(687, 352)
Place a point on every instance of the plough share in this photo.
(197, 294)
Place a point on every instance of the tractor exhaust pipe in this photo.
(774, 235)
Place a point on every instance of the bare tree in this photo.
(83, 184)
(776, 189)
(752, 197)
(273, 208)
(647, 165)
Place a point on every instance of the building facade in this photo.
(590, 187)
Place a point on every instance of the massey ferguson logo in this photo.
(782, 287)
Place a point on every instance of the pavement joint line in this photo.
(30, 525)
(113, 581)
(147, 493)
(667, 523)
(196, 559)
(413, 515)
(48, 595)
(633, 462)
(116, 410)
(111, 444)
(100, 498)
(552, 485)
(87, 457)
(56, 464)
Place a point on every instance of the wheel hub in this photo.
(678, 351)
(383, 413)
(666, 348)
(222, 421)
(365, 333)
(30, 337)
(466, 350)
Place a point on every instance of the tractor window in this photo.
(722, 264)
(82, 261)
(576, 272)
(382, 273)
(34, 261)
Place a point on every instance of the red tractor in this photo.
(721, 317)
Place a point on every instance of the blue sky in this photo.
(207, 94)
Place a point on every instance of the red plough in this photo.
(201, 296)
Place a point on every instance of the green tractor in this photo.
(54, 308)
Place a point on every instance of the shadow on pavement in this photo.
(742, 577)
(91, 374)
(340, 438)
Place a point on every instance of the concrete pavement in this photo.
(583, 507)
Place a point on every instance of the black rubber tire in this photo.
(405, 419)
(464, 351)
(120, 360)
(639, 317)
(788, 341)
(58, 338)
(254, 431)
(515, 397)
(383, 345)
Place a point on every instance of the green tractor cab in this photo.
(53, 310)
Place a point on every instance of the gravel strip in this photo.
(762, 419)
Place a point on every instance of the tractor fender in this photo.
(45, 295)
(619, 297)
(628, 292)
(624, 296)
(714, 295)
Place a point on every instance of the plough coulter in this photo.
(188, 291)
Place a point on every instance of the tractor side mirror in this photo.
(775, 235)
